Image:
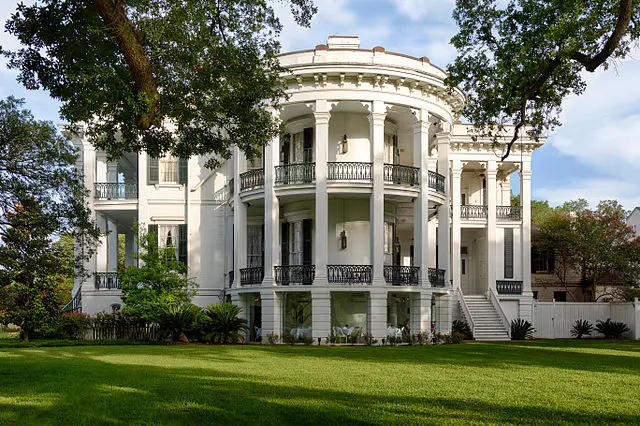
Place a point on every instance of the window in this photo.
(542, 261)
(169, 170)
(463, 266)
(389, 233)
(168, 237)
(508, 252)
(255, 243)
(560, 296)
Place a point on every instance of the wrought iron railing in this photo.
(401, 275)
(402, 175)
(116, 191)
(349, 171)
(509, 287)
(295, 274)
(436, 181)
(436, 277)
(473, 212)
(295, 173)
(230, 275)
(107, 280)
(251, 276)
(509, 213)
(252, 179)
(349, 274)
(75, 304)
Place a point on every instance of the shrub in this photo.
(369, 339)
(463, 328)
(272, 338)
(449, 339)
(224, 324)
(288, 338)
(581, 328)
(612, 329)
(394, 340)
(422, 338)
(521, 329)
(177, 320)
(304, 339)
(73, 326)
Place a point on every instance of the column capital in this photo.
(492, 168)
(377, 117)
(421, 126)
(322, 117)
(525, 174)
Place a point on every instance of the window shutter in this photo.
(183, 171)
(284, 244)
(307, 225)
(153, 230)
(182, 244)
(153, 173)
(508, 252)
(262, 250)
(308, 145)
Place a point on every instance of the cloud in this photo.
(593, 190)
(419, 10)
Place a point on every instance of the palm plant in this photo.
(224, 323)
(178, 319)
(581, 328)
(612, 329)
(521, 329)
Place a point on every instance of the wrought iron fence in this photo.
(349, 274)
(107, 280)
(295, 173)
(251, 276)
(401, 175)
(349, 171)
(295, 274)
(436, 277)
(509, 287)
(116, 191)
(509, 213)
(401, 275)
(473, 212)
(436, 181)
(252, 179)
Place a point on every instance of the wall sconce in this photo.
(343, 240)
(344, 145)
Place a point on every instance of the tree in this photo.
(518, 63)
(159, 281)
(41, 198)
(163, 76)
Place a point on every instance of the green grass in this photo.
(520, 383)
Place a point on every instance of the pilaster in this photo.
(321, 144)
(376, 216)
(271, 316)
(492, 191)
(421, 204)
(320, 313)
(456, 175)
(378, 313)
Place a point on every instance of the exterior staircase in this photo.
(487, 325)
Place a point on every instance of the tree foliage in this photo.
(518, 62)
(159, 281)
(185, 77)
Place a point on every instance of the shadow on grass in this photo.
(102, 385)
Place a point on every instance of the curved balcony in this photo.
(116, 191)
(509, 213)
(349, 274)
(436, 181)
(107, 281)
(436, 277)
(295, 173)
(401, 275)
(252, 179)
(251, 276)
(349, 171)
(295, 274)
(401, 175)
(473, 212)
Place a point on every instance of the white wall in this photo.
(354, 214)
(356, 127)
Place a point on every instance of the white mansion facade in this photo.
(377, 209)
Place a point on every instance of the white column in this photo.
(89, 172)
(456, 174)
(322, 116)
(112, 245)
(492, 191)
(239, 300)
(239, 220)
(101, 167)
(271, 213)
(421, 312)
(271, 316)
(102, 250)
(421, 204)
(320, 313)
(376, 215)
(378, 313)
(525, 202)
(444, 232)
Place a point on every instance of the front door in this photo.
(465, 265)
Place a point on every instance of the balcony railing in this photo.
(295, 173)
(473, 212)
(509, 287)
(509, 213)
(349, 171)
(436, 181)
(107, 280)
(251, 276)
(252, 179)
(436, 277)
(295, 274)
(116, 191)
(349, 274)
(401, 275)
(401, 175)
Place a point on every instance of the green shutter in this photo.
(153, 230)
(508, 252)
(153, 172)
(183, 171)
(182, 244)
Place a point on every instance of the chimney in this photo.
(343, 42)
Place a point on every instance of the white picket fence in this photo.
(553, 320)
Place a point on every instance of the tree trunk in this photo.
(182, 338)
(25, 335)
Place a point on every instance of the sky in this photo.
(594, 155)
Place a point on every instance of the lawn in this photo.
(537, 382)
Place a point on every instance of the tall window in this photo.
(508, 252)
(169, 169)
(295, 243)
(168, 238)
(254, 245)
(389, 240)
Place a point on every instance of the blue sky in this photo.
(594, 155)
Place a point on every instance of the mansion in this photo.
(376, 211)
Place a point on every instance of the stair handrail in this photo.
(493, 298)
(465, 309)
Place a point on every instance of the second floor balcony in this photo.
(252, 179)
(116, 191)
(295, 173)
